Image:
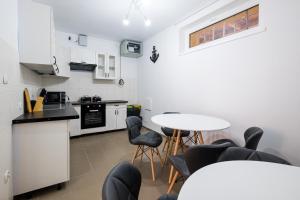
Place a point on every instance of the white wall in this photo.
(252, 81)
(82, 83)
(19, 77)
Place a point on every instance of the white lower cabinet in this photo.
(115, 116)
(75, 124)
(121, 117)
(40, 155)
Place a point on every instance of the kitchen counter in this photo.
(101, 102)
(53, 112)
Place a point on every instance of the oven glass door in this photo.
(93, 116)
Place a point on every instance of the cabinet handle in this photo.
(115, 112)
(55, 64)
(54, 60)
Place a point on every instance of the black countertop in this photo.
(101, 102)
(53, 112)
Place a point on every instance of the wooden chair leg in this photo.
(182, 145)
(201, 138)
(166, 141)
(167, 151)
(173, 182)
(160, 159)
(142, 149)
(195, 137)
(152, 164)
(171, 174)
(136, 152)
(177, 142)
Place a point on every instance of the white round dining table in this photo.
(191, 122)
(188, 122)
(246, 180)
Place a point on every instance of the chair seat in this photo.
(151, 139)
(222, 141)
(169, 132)
(180, 165)
(168, 197)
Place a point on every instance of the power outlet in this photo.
(5, 79)
(20, 106)
(7, 176)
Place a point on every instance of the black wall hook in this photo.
(154, 56)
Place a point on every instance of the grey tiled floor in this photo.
(92, 157)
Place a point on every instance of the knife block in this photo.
(38, 107)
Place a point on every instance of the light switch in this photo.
(5, 79)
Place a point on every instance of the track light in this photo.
(137, 5)
(126, 22)
(147, 22)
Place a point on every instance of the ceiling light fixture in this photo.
(147, 22)
(126, 22)
(137, 5)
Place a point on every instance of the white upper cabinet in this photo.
(63, 55)
(37, 38)
(83, 55)
(106, 66)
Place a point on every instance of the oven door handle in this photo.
(93, 110)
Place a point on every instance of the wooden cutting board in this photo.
(27, 100)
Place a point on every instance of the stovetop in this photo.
(89, 99)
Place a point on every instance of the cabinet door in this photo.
(111, 66)
(75, 124)
(111, 118)
(52, 35)
(34, 28)
(63, 55)
(121, 117)
(88, 56)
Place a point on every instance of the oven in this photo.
(92, 115)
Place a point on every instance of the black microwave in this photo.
(55, 98)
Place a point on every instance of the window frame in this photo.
(185, 32)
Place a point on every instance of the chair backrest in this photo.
(122, 183)
(240, 153)
(199, 156)
(166, 130)
(134, 126)
(252, 136)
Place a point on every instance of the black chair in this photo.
(252, 137)
(168, 197)
(240, 153)
(124, 182)
(193, 159)
(148, 141)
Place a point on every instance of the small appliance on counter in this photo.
(96, 99)
(53, 97)
(89, 99)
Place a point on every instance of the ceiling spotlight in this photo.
(126, 22)
(147, 22)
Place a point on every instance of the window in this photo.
(241, 21)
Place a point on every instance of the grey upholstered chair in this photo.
(124, 182)
(145, 142)
(193, 159)
(252, 137)
(240, 153)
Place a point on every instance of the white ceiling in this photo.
(103, 18)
